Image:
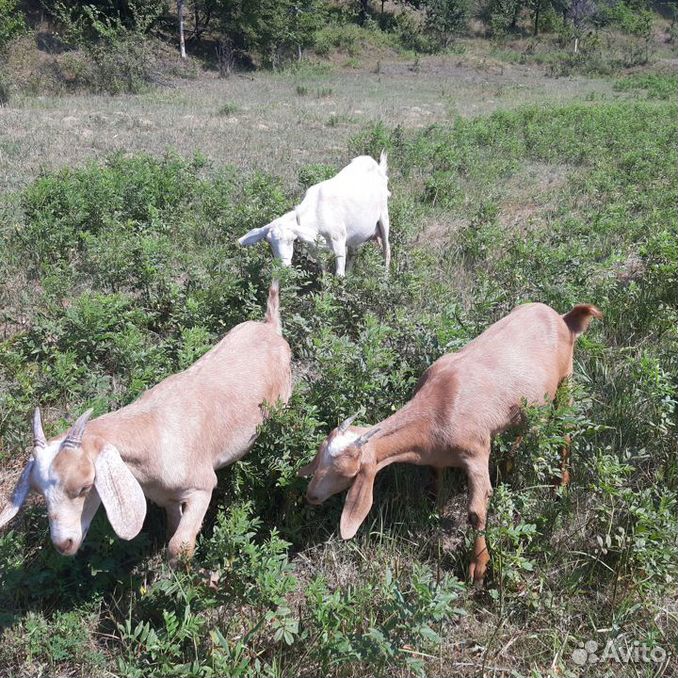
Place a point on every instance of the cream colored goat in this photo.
(166, 445)
(459, 404)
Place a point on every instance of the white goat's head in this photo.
(74, 478)
(280, 234)
(344, 460)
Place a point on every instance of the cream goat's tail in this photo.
(273, 306)
(580, 316)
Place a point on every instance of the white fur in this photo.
(341, 214)
(340, 442)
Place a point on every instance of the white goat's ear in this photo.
(254, 236)
(120, 493)
(23, 487)
(358, 501)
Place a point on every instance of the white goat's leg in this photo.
(194, 508)
(339, 249)
(480, 491)
(384, 226)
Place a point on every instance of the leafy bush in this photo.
(12, 22)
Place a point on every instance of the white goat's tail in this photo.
(273, 306)
(383, 162)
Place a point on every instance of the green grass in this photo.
(123, 271)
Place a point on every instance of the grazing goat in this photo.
(341, 213)
(166, 445)
(459, 404)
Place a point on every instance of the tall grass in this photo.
(128, 270)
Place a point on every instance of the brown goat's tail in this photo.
(580, 316)
(273, 306)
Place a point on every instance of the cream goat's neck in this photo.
(403, 437)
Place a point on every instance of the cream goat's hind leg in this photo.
(480, 491)
(182, 543)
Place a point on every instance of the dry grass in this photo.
(272, 127)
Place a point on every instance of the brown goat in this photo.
(459, 404)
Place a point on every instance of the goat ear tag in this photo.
(120, 493)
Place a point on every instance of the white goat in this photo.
(166, 445)
(459, 404)
(341, 213)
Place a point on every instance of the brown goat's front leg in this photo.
(480, 491)
(182, 543)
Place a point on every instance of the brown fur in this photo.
(459, 404)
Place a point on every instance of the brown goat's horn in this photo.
(366, 436)
(343, 427)
(74, 436)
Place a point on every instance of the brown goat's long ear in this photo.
(309, 469)
(120, 493)
(358, 501)
(23, 487)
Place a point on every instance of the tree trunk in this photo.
(364, 11)
(537, 8)
(182, 42)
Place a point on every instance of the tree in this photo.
(182, 42)
(446, 18)
(271, 29)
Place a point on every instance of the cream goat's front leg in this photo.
(194, 508)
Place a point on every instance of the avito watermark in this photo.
(591, 652)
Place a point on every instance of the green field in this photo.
(119, 266)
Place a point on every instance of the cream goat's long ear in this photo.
(309, 469)
(358, 501)
(23, 487)
(254, 236)
(120, 493)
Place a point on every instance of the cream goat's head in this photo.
(75, 477)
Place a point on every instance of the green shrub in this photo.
(12, 22)
(314, 174)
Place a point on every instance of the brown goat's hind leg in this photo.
(480, 491)
(509, 460)
(565, 462)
